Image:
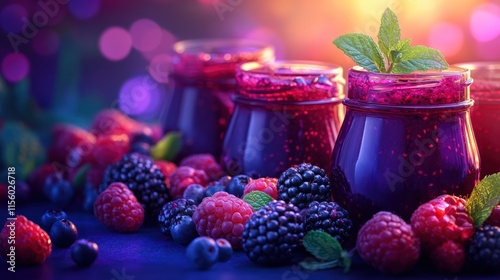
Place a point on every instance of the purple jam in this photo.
(201, 84)
(286, 113)
(405, 140)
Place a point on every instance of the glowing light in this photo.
(10, 18)
(46, 42)
(165, 46)
(267, 36)
(140, 96)
(84, 9)
(15, 66)
(159, 68)
(115, 43)
(485, 22)
(488, 50)
(446, 37)
(146, 35)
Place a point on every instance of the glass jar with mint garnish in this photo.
(407, 135)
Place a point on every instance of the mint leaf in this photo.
(402, 45)
(313, 265)
(363, 50)
(322, 245)
(168, 147)
(257, 199)
(389, 33)
(483, 198)
(419, 58)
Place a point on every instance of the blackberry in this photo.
(330, 218)
(484, 248)
(173, 211)
(142, 177)
(273, 234)
(303, 184)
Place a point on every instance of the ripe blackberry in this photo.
(273, 234)
(303, 184)
(173, 211)
(484, 248)
(142, 177)
(330, 218)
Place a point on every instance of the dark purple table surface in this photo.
(147, 254)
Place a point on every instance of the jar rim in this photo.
(287, 68)
(479, 65)
(206, 47)
(452, 70)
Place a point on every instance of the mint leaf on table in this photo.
(389, 33)
(326, 249)
(484, 198)
(257, 199)
(363, 50)
(168, 147)
(419, 58)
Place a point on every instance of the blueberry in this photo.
(84, 252)
(213, 189)
(51, 180)
(225, 250)
(141, 148)
(237, 184)
(184, 230)
(50, 217)
(63, 233)
(142, 138)
(90, 194)
(194, 192)
(60, 193)
(203, 252)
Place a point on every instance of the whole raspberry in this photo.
(109, 149)
(484, 249)
(118, 209)
(166, 167)
(266, 185)
(108, 122)
(71, 146)
(388, 244)
(494, 218)
(205, 162)
(32, 244)
(449, 257)
(184, 176)
(173, 211)
(222, 215)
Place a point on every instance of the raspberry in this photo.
(266, 185)
(71, 145)
(166, 168)
(273, 234)
(33, 244)
(388, 244)
(109, 149)
(328, 217)
(173, 211)
(118, 209)
(303, 184)
(222, 216)
(37, 178)
(205, 162)
(441, 219)
(494, 218)
(184, 176)
(449, 257)
(109, 122)
(484, 249)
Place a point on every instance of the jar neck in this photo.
(408, 109)
(238, 99)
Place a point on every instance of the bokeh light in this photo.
(146, 35)
(15, 67)
(485, 22)
(140, 96)
(446, 37)
(165, 45)
(46, 42)
(115, 43)
(10, 18)
(84, 9)
(159, 68)
(267, 36)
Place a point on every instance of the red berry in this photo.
(3, 192)
(166, 167)
(205, 162)
(387, 243)
(222, 215)
(94, 176)
(110, 149)
(109, 122)
(266, 185)
(449, 257)
(118, 209)
(184, 176)
(33, 244)
(71, 146)
(37, 178)
(494, 218)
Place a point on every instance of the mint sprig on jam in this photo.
(483, 199)
(391, 55)
(327, 250)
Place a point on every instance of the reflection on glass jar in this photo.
(201, 82)
(285, 113)
(485, 114)
(405, 140)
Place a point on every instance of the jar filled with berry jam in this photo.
(285, 113)
(406, 138)
(198, 103)
(485, 114)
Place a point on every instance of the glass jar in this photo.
(286, 113)
(485, 114)
(201, 83)
(405, 140)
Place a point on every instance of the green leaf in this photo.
(389, 33)
(346, 261)
(80, 177)
(257, 199)
(363, 50)
(402, 45)
(419, 58)
(313, 265)
(168, 147)
(322, 245)
(483, 198)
